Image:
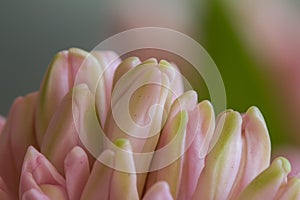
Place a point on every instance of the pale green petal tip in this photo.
(72, 51)
(207, 107)
(192, 94)
(232, 119)
(284, 163)
(228, 125)
(31, 152)
(208, 112)
(164, 63)
(223, 113)
(206, 103)
(122, 143)
(150, 61)
(78, 52)
(134, 60)
(253, 111)
(60, 55)
(107, 157)
(189, 99)
(83, 55)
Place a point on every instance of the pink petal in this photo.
(125, 66)
(77, 172)
(16, 137)
(222, 162)
(85, 118)
(187, 101)
(98, 184)
(61, 135)
(124, 181)
(174, 134)
(159, 191)
(109, 61)
(256, 151)
(200, 130)
(177, 81)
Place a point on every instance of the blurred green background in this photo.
(33, 31)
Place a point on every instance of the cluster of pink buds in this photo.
(93, 131)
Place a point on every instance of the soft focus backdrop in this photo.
(255, 45)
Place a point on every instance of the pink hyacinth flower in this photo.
(81, 137)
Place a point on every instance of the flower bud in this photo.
(141, 100)
(57, 82)
(222, 162)
(70, 68)
(98, 184)
(39, 174)
(60, 138)
(174, 133)
(139, 105)
(200, 130)
(256, 151)
(268, 183)
(123, 182)
(77, 172)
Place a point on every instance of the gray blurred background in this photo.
(33, 31)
